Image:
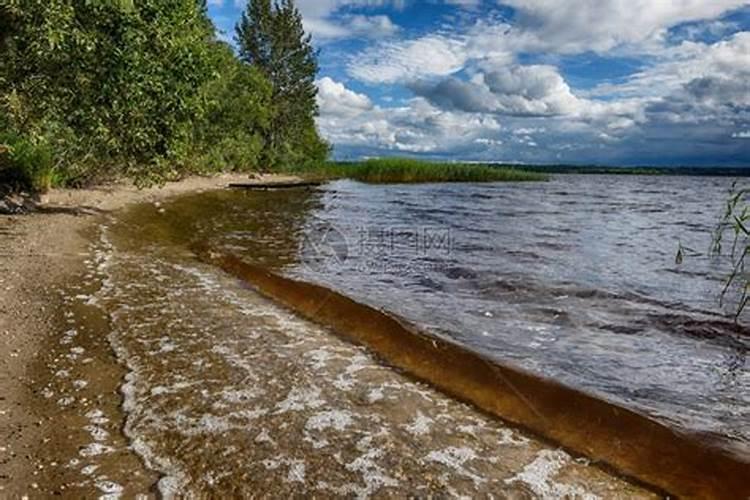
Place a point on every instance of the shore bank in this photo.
(62, 422)
(39, 253)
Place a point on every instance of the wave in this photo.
(614, 436)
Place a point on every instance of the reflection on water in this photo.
(574, 279)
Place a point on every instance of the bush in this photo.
(117, 88)
(26, 165)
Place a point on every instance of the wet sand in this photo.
(40, 254)
(291, 409)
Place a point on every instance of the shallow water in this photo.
(574, 279)
(229, 394)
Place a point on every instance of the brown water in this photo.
(227, 394)
(574, 279)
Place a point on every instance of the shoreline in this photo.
(645, 451)
(33, 308)
(39, 253)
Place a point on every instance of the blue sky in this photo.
(657, 82)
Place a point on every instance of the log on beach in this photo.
(274, 185)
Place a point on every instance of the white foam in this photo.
(89, 470)
(539, 476)
(420, 425)
(375, 395)
(456, 458)
(95, 449)
(301, 398)
(296, 472)
(331, 419)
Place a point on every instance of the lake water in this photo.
(573, 279)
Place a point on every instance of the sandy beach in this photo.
(39, 252)
(327, 417)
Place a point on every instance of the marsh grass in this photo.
(404, 170)
(735, 221)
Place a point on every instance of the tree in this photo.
(271, 37)
(104, 88)
(115, 82)
(237, 113)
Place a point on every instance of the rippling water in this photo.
(573, 279)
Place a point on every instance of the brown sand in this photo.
(39, 253)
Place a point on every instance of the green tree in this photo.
(115, 83)
(94, 89)
(271, 37)
(237, 114)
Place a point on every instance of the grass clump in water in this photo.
(406, 170)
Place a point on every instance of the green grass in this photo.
(404, 170)
(25, 165)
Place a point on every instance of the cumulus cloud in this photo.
(399, 61)
(335, 100)
(320, 20)
(476, 96)
(601, 25)
(416, 127)
(528, 91)
(515, 90)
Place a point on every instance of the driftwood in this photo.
(274, 185)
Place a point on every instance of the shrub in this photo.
(25, 164)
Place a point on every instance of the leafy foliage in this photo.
(144, 89)
(227, 139)
(271, 37)
(25, 164)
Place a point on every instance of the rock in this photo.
(17, 204)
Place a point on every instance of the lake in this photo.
(574, 279)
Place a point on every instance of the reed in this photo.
(405, 170)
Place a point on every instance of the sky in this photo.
(608, 82)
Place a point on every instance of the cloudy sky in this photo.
(657, 82)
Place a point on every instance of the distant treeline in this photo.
(485, 169)
(96, 89)
(595, 169)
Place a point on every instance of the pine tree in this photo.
(272, 38)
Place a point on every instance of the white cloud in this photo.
(476, 100)
(417, 127)
(371, 25)
(600, 25)
(335, 100)
(319, 20)
(546, 26)
(393, 62)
